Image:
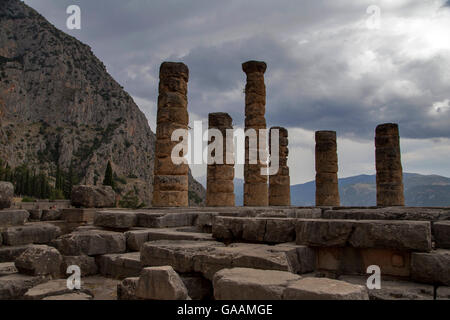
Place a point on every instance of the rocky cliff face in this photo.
(59, 105)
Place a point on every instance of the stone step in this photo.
(388, 213)
(91, 243)
(145, 219)
(441, 234)
(37, 233)
(70, 296)
(432, 267)
(7, 268)
(101, 288)
(443, 293)
(208, 257)
(78, 215)
(10, 253)
(383, 234)
(257, 230)
(136, 238)
(119, 266)
(9, 217)
(14, 286)
(355, 261)
(51, 288)
(394, 289)
(253, 284)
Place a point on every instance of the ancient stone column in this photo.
(280, 183)
(256, 191)
(220, 176)
(170, 186)
(388, 166)
(327, 191)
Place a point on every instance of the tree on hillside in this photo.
(109, 180)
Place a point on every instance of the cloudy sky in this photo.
(339, 65)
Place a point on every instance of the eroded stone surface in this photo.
(441, 234)
(10, 217)
(394, 290)
(7, 268)
(170, 186)
(324, 289)
(37, 233)
(389, 166)
(91, 243)
(115, 219)
(40, 260)
(14, 286)
(126, 290)
(265, 230)
(443, 293)
(251, 284)
(327, 191)
(432, 267)
(10, 253)
(51, 288)
(403, 235)
(209, 257)
(389, 213)
(87, 264)
(93, 196)
(70, 296)
(120, 266)
(161, 283)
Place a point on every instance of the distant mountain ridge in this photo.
(420, 190)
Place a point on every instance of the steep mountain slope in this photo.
(59, 106)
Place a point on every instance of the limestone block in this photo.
(251, 284)
(161, 283)
(40, 260)
(432, 267)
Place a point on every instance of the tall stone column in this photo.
(170, 186)
(280, 183)
(220, 177)
(389, 166)
(327, 189)
(256, 191)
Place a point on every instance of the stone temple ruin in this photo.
(266, 249)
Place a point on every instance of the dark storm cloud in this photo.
(326, 70)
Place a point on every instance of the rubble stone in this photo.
(161, 283)
(432, 267)
(403, 235)
(91, 243)
(39, 233)
(251, 284)
(93, 196)
(115, 219)
(13, 217)
(324, 289)
(441, 234)
(40, 260)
